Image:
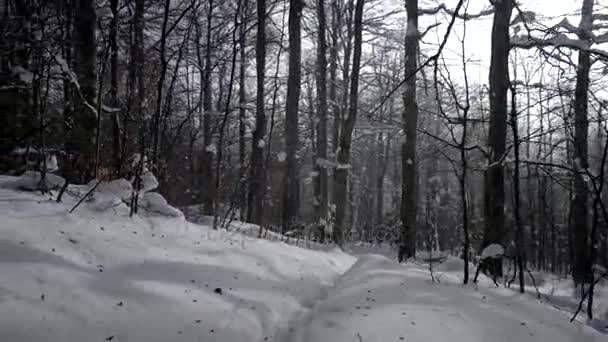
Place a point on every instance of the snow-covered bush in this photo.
(31, 181)
(109, 194)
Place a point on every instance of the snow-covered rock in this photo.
(155, 202)
(120, 188)
(148, 181)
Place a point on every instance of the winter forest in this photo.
(469, 137)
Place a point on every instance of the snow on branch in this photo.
(71, 76)
(559, 40)
(463, 16)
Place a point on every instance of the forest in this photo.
(428, 126)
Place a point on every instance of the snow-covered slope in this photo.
(102, 276)
(95, 276)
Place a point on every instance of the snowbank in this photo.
(32, 181)
(97, 276)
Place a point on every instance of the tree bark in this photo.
(407, 239)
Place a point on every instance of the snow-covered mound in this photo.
(97, 276)
(378, 300)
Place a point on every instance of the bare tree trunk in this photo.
(80, 142)
(257, 179)
(220, 149)
(339, 117)
(336, 25)
(160, 86)
(291, 193)
(320, 198)
(581, 270)
(343, 158)
(242, 112)
(207, 184)
(116, 149)
(407, 239)
(516, 193)
(494, 184)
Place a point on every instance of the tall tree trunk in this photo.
(343, 158)
(159, 87)
(494, 184)
(80, 142)
(407, 240)
(257, 179)
(208, 188)
(516, 194)
(383, 149)
(336, 25)
(292, 179)
(242, 200)
(116, 149)
(348, 47)
(581, 268)
(320, 198)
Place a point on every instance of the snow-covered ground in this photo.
(98, 275)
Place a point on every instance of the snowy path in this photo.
(378, 300)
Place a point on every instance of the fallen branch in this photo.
(585, 294)
(85, 196)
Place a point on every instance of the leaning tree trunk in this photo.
(494, 184)
(257, 178)
(343, 158)
(407, 239)
(581, 267)
(80, 142)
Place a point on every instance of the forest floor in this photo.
(101, 276)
